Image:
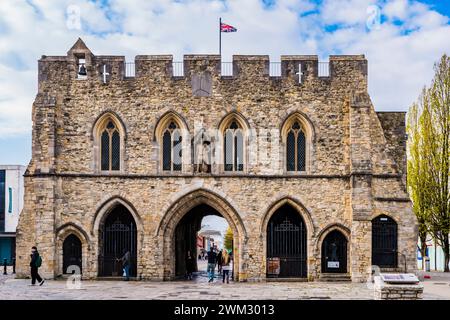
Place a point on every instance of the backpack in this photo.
(38, 262)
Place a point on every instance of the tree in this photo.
(429, 158)
(228, 239)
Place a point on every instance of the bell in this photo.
(82, 70)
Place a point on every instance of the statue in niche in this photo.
(203, 151)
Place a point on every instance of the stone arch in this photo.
(165, 232)
(310, 229)
(101, 213)
(97, 128)
(345, 231)
(166, 117)
(61, 233)
(307, 128)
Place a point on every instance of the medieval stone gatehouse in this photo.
(131, 156)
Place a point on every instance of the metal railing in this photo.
(178, 68)
(226, 69)
(130, 70)
(324, 69)
(275, 69)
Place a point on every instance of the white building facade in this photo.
(11, 204)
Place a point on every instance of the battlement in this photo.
(81, 64)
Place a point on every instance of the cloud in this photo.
(401, 52)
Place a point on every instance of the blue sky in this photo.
(400, 38)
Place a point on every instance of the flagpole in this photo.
(220, 38)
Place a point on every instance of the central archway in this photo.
(192, 206)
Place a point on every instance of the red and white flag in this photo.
(227, 28)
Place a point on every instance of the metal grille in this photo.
(334, 253)
(130, 70)
(119, 235)
(178, 68)
(228, 150)
(290, 151)
(71, 252)
(275, 69)
(115, 151)
(324, 69)
(226, 69)
(286, 244)
(301, 151)
(177, 151)
(105, 150)
(384, 242)
(166, 150)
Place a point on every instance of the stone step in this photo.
(335, 277)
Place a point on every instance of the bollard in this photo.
(4, 266)
(14, 265)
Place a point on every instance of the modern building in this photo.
(11, 204)
(131, 156)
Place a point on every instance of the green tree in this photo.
(429, 158)
(228, 239)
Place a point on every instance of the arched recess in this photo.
(172, 123)
(165, 232)
(61, 235)
(305, 217)
(302, 131)
(334, 227)
(384, 241)
(109, 124)
(234, 131)
(101, 216)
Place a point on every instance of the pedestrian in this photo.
(219, 262)
(35, 263)
(212, 260)
(126, 261)
(226, 265)
(189, 265)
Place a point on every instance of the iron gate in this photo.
(119, 236)
(384, 242)
(334, 253)
(71, 252)
(286, 244)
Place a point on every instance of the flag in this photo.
(227, 28)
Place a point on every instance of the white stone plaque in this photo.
(333, 264)
(399, 278)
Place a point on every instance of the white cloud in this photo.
(401, 55)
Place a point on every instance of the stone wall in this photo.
(354, 170)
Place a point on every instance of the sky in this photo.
(402, 39)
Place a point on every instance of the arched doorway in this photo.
(72, 253)
(384, 242)
(117, 235)
(334, 253)
(286, 244)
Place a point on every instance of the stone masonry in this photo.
(355, 167)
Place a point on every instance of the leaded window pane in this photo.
(166, 150)
(228, 150)
(301, 151)
(115, 151)
(105, 150)
(290, 151)
(239, 151)
(176, 151)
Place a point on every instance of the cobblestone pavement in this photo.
(10, 288)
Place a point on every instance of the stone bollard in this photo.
(396, 291)
(5, 263)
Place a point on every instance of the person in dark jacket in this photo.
(34, 265)
(126, 261)
(212, 260)
(189, 265)
(219, 262)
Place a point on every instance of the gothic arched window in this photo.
(295, 148)
(171, 148)
(110, 147)
(233, 147)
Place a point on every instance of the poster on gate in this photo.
(273, 266)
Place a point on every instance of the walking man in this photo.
(35, 263)
(212, 259)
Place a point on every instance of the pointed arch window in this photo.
(172, 144)
(295, 148)
(110, 147)
(234, 147)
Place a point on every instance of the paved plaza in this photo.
(438, 287)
